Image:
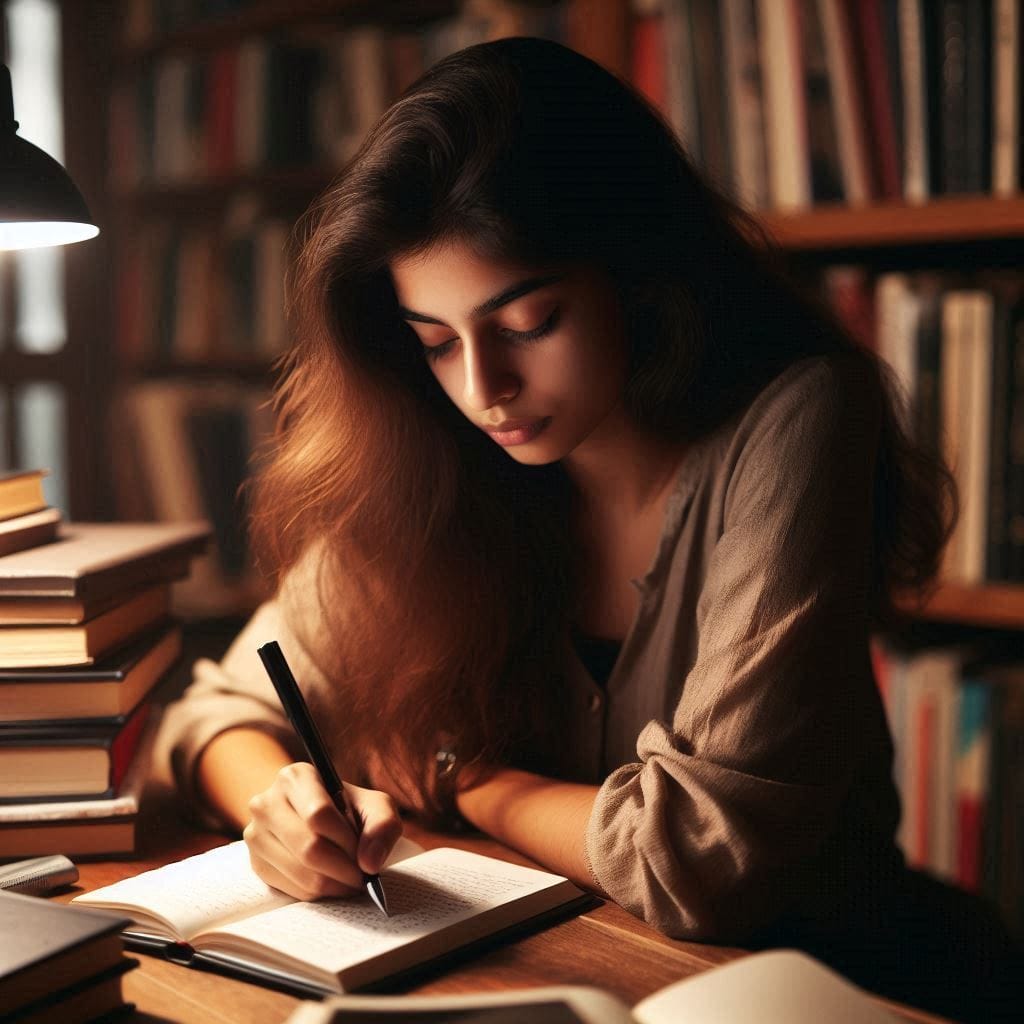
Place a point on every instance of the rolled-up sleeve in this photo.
(708, 831)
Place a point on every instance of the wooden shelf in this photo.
(283, 185)
(265, 16)
(946, 219)
(995, 605)
(240, 367)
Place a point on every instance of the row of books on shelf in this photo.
(192, 292)
(86, 636)
(834, 101)
(146, 19)
(957, 720)
(955, 343)
(186, 448)
(305, 99)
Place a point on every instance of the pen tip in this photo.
(376, 891)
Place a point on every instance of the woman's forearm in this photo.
(543, 818)
(234, 767)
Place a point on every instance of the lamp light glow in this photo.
(39, 203)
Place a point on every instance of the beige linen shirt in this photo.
(739, 743)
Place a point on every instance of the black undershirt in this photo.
(597, 654)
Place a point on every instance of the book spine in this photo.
(847, 101)
(976, 410)
(681, 82)
(953, 29)
(997, 558)
(914, 78)
(974, 740)
(711, 91)
(648, 58)
(953, 375)
(743, 88)
(878, 93)
(1006, 97)
(823, 144)
(978, 97)
(1015, 469)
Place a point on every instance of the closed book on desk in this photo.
(84, 642)
(212, 911)
(109, 690)
(28, 531)
(92, 560)
(21, 492)
(80, 828)
(57, 948)
(67, 762)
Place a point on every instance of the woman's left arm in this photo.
(545, 819)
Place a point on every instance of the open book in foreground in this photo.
(781, 986)
(213, 911)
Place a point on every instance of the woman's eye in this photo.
(435, 352)
(537, 332)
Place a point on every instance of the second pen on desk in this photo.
(302, 722)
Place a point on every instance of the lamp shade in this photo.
(39, 203)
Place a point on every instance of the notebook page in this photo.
(192, 894)
(430, 892)
(199, 892)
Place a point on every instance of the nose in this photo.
(488, 379)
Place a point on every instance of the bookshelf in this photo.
(948, 221)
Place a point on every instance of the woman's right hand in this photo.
(300, 843)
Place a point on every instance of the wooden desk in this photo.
(605, 947)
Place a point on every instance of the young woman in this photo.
(581, 516)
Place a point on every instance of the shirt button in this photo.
(595, 703)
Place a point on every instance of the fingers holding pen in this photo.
(381, 826)
(298, 840)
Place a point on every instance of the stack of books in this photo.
(86, 634)
(66, 964)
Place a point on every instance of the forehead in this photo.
(451, 272)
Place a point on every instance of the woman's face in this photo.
(535, 358)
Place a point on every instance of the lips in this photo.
(513, 432)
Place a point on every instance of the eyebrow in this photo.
(510, 294)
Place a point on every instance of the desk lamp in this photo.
(39, 203)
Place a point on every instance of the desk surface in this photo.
(605, 947)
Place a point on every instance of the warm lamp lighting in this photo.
(39, 203)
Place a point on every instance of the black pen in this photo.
(302, 722)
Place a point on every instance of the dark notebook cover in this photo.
(57, 946)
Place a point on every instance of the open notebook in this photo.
(213, 911)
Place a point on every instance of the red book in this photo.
(648, 59)
(221, 150)
(925, 724)
(67, 762)
(876, 88)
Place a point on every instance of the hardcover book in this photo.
(67, 762)
(92, 559)
(107, 691)
(83, 643)
(57, 947)
(21, 492)
(28, 530)
(80, 828)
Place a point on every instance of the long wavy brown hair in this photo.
(445, 564)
